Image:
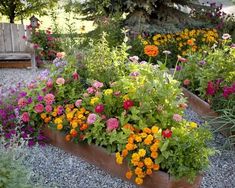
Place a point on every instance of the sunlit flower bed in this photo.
(138, 115)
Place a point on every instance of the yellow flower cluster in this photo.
(185, 41)
(141, 150)
(74, 118)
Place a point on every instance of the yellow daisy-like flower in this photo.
(94, 100)
(58, 121)
(138, 139)
(74, 124)
(193, 125)
(143, 135)
(108, 92)
(135, 157)
(138, 181)
(54, 114)
(125, 97)
(70, 116)
(43, 115)
(154, 129)
(119, 160)
(142, 152)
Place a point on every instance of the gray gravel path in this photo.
(52, 167)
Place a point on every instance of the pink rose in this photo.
(177, 117)
(112, 124)
(186, 82)
(48, 108)
(90, 90)
(22, 102)
(25, 117)
(91, 119)
(49, 98)
(78, 103)
(39, 108)
(60, 81)
(97, 84)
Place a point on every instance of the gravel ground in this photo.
(52, 167)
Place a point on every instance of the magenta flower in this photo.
(97, 84)
(99, 108)
(210, 88)
(39, 108)
(49, 84)
(112, 124)
(91, 119)
(25, 117)
(227, 91)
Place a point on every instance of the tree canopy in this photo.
(24, 8)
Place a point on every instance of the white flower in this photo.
(226, 36)
(167, 52)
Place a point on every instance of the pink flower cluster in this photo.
(227, 91)
(49, 98)
(112, 124)
(95, 87)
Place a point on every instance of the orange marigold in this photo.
(129, 126)
(140, 164)
(130, 147)
(59, 127)
(154, 155)
(129, 175)
(156, 167)
(138, 181)
(73, 132)
(149, 171)
(148, 161)
(147, 130)
(124, 153)
(147, 141)
(151, 50)
(68, 137)
(138, 171)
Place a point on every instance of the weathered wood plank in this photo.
(15, 38)
(2, 43)
(7, 37)
(15, 56)
(22, 42)
(15, 64)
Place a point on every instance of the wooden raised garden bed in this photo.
(101, 158)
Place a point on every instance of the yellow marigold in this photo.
(70, 116)
(139, 181)
(142, 152)
(108, 91)
(156, 167)
(143, 135)
(151, 50)
(43, 115)
(130, 147)
(138, 171)
(135, 157)
(74, 124)
(125, 97)
(54, 114)
(154, 129)
(59, 127)
(124, 153)
(150, 137)
(138, 139)
(80, 116)
(149, 171)
(148, 161)
(145, 42)
(147, 130)
(67, 110)
(129, 175)
(118, 154)
(94, 100)
(119, 160)
(154, 155)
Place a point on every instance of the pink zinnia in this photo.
(60, 81)
(97, 84)
(181, 59)
(112, 124)
(48, 108)
(78, 103)
(25, 117)
(22, 102)
(186, 82)
(177, 117)
(99, 108)
(49, 84)
(90, 90)
(91, 119)
(39, 108)
(49, 98)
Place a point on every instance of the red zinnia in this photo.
(167, 133)
(99, 108)
(75, 76)
(128, 104)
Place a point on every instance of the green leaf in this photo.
(164, 146)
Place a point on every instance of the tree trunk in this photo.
(12, 19)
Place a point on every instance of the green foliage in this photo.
(23, 9)
(186, 154)
(12, 172)
(104, 63)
